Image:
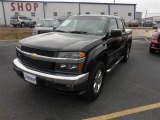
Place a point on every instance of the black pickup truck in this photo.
(76, 56)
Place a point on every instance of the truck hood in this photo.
(56, 41)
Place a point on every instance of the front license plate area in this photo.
(30, 78)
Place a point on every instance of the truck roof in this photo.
(96, 15)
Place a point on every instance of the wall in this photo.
(23, 8)
(61, 9)
(94, 8)
(123, 11)
(2, 22)
(26, 8)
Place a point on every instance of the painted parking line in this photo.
(8, 44)
(147, 40)
(126, 112)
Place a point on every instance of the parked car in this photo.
(133, 23)
(155, 43)
(62, 19)
(45, 25)
(147, 24)
(156, 25)
(22, 21)
(76, 57)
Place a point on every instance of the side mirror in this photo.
(116, 33)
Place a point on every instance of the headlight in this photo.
(73, 55)
(19, 45)
(70, 67)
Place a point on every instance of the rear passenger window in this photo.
(120, 24)
(112, 25)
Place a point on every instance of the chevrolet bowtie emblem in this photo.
(33, 55)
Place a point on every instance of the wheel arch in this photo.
(93, 57)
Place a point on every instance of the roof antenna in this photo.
(114, 1)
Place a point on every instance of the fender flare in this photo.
(93, 56)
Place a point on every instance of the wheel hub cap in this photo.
(98, 81)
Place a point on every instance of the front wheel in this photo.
(151, 50)
(95, 82)
(126, 53)
(15, 26)
(22, 24)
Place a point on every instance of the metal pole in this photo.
(79, 8)
(145, 18)
(44, 11)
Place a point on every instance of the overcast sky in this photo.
(153, 6)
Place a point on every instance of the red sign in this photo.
(20, 6)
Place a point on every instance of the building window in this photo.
(129, 14)
(87, 12)
(33, 14)
(69, 14)
(115, 13)
(54, 13)
(102, 13)
(16, 13)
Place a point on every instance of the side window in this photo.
(16, 13)
(33, 14)
(69, 14)
(102, 13)
(120, 24)
(20, 17)
(129, 14)
(87, 12)
(112, 25)
(55, 13)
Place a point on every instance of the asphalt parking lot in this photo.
(130, 85)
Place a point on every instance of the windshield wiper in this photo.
(78, 32)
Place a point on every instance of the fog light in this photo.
(63, 66)
(71, 66)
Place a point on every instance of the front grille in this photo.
(39, 51)
(37, 64)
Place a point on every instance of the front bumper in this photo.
(65, 82)
(155, 45)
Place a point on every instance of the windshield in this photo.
(46, 23)
(84, 25)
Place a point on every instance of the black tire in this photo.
(34, 24)
(23, 25)
(91, 92)
(152, 51)
(15, 26)
(126, 53)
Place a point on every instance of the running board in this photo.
(113, 66)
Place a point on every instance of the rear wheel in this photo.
(15, 26)
(95, 82)
(22, 24)
(34, 24)
(126, 53)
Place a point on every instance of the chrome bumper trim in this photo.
(56, 78)
(51, 59)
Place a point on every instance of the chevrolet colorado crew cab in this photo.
(76, 56)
